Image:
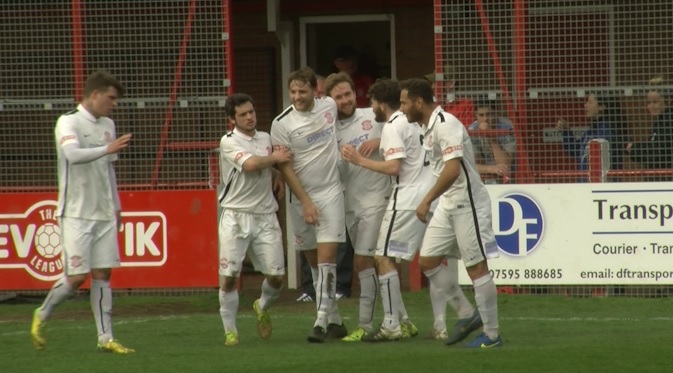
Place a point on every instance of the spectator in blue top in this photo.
(607, 122)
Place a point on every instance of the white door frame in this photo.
(303, 21)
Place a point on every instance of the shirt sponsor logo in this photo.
(239, 155)
(452, 149)
(32, 241)
(367, 125)
(320, 135)
(394, 150)
(359, 140)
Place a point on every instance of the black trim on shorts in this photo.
(474, 209)
(284, 114)
(390, 232)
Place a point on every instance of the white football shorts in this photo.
(364, 228)
(401, 234)
(331, 223)
(88, 244)
(258, 235)
(463, 233)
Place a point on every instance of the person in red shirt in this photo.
(460, 107)
(346, 60)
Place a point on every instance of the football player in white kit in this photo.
(248, 221)
(401, 234)
(316, 208)
(461, 224)
(366, 192)
(88, 209)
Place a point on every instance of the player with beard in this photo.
(316, 208)
(366, 192)
(460, 226)
(400, 236)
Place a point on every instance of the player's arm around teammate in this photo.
(248, 224)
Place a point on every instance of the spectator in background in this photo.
(607, 122)
(493, 155)
(657, 151)
(346, 61)
(320, 88)
(461, 108)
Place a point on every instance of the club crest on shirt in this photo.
(298, 240)
(269, 150)
(224, 263)
(329, 118)
(367, 125)
(238, 156)
(108, 136)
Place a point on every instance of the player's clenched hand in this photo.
(310, 213)
(369, 146)
(119, 144)
(282, 155)
(422, 212)
(349, 154)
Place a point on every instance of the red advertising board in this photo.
(166, 239)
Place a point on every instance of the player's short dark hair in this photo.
(305, 74)
(337, 78)
(101, 80)
(386, 91)
(234, 101)
(418, 88)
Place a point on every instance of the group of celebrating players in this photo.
(399, 176)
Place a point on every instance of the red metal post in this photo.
(493, 49)
(439, 60)
(523, 171)
(228, 45)
(77, 47)
(174, 93)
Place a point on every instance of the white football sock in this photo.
(438, 297)
(228, 309)
(59, 292)
(325, 295)
(391, 297)
(368, 290)
(269, 295)
(314, 274)
(101, 305)
(486, 296)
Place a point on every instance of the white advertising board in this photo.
(570, 234)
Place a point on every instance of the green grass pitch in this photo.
(184, 334)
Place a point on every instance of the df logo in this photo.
(518, 224)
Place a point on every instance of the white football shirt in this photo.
(446, 138)
(364, 188)
(403, 140)
(250, 192)
(84, 189)
(311, 136)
